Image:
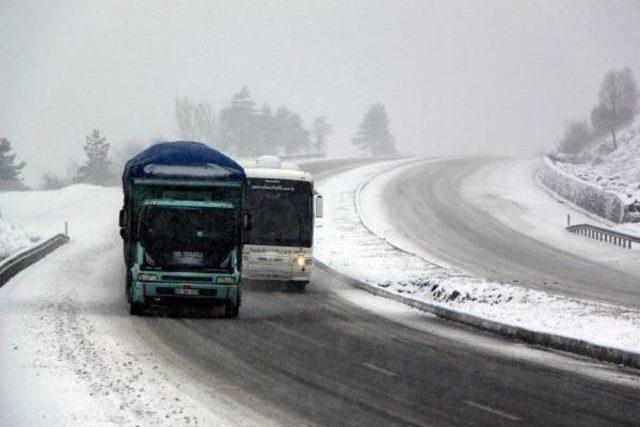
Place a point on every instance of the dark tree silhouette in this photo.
(373, 135)
(10, 171)
(97, 168)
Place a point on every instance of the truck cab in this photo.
(182, 224)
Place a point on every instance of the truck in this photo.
(182, 223)
(284, 205)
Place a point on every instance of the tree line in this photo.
(244, 130)
(97, 168)
(239, 129)
(617, 107)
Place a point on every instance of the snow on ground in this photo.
(43, 213)
(345, 244)
(13, 239)
(70, 354)
(617, 171)
(507, 191)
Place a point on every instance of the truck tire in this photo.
(127, 286)
(297, 286)
(232, 310)
(136, 309)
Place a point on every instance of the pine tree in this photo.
(292, 136)
(10, 178)
(268, 133)
(239, 125)
(373, 135)
(97, 168)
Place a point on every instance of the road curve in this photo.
(318, 359)
(333, 355)
(429, 210)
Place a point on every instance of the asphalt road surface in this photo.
(333, 355)
(430, 210)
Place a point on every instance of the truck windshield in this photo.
(176, 238)
(282, 213)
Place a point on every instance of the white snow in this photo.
(69, 352)
(345, 244)
(605, 203)
(615, 174)
(13, 239)
(507, 191)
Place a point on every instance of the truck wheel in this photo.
(136, 309)
(297, 286)
(127, 287)
(232, 310)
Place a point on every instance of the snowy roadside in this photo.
(69, 352)
(13, 239)
(507, 191)
(600, 179)
(347, 246)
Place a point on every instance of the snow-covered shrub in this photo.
(589, 196)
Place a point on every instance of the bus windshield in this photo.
(177, 238)
(282, 213)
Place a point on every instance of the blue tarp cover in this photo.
(173, 155)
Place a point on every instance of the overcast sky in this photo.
(456, 76)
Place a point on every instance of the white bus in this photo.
(283, 207)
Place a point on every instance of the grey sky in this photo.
(456, 76)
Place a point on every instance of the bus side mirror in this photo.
(124, 233)
(247, 221)
(319, 206)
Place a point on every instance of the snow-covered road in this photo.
(487, 217)
(71, 355)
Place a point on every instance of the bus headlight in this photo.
(226, 280)
(302, 261)
(147, 277)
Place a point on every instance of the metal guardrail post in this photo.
(604, 235)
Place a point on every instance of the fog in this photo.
(495, 77)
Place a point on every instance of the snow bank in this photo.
(346, 245)
(12, 239)
(605, 203)
(599, 172)
(44, 213)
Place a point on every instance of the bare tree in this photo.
(618, 103)
(196, 122)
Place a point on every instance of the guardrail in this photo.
(16, 263)
(604, 235)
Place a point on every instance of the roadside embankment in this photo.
(604, 203)
(347, 246)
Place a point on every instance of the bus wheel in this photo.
(136, 309)
(297, 286)
(232, 310)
